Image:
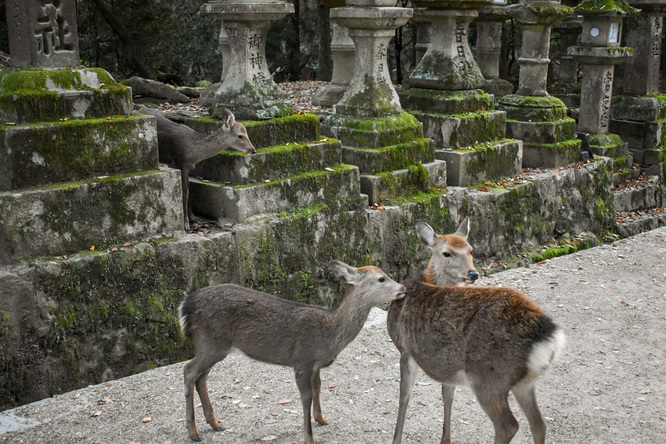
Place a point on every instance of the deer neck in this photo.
(348, 318)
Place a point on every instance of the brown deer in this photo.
(495, 340)
(183, 147)
(307, 338)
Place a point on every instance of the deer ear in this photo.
(426, 234)
(229, 119)
(463, 229)
(344, 272)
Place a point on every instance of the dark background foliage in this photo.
(170, 40)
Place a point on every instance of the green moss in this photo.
(390, 158)
(605, 7)
(532, 101)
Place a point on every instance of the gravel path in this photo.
(607, 388)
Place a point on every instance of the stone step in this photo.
(390, 158)
(337, 186)
(36, 154)
(373, 132)
(553, 155)
(69, 217)
(270, 163)
(642, 194)
(267, 133)
(489, 161)
(394, 187)
(51, 95)
(461, 130)
(542, 132)
(636, 222)
(445, 102)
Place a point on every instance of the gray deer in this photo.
(307, 338)
(183, 147)
(492, 339)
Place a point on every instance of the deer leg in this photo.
(304, 378)
(316, 392)
(448, 392)
(185, 181)
(496, 406)
(408, 372)
(526, 397)
(202, 389)
(192, 372)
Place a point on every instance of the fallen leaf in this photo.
(286, 401)
(96, 414)
(92, 248)
(145, 420)
(127, 244)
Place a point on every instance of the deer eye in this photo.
(381, 279)
(447, 254)
(240, 136)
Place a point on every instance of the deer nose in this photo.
(473, 275)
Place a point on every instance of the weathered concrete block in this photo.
(238, 203)
(74, 216)
(460, 130)
(34, 155)
(535, 109)
(445, 102)
(389, 158)
(542, 132)
(372, 132)
(638, 108)
(392, 188)
(270, 163)
(647, 195)
(491, 161)
(47, 96)
(536, 155)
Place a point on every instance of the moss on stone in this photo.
(605, 7)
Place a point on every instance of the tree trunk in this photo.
(130, 50)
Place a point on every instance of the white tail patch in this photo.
(545, 353)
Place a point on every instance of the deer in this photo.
(307, 338)
(183, 147)
(493, 339)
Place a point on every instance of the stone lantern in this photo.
(597, 54)
(533, 116)
(247, 87)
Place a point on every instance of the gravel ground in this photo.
(607, 388)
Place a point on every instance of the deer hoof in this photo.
(321, 420)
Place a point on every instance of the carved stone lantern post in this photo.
(247, 87)
(343, 53)
(597, 54)
(536, 118)
(489, 46)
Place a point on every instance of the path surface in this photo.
(607, 388)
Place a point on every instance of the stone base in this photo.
(638, 108)
(445, 102)
(491, 161)
(608, 145)
(535, 109)
(542, 132)
(394, 187)
(252, 104)
(648, 195)
(338, 189)
(329, 94)
(75, 216)
(555, 155)
(463, 130)
(34, 155)
(51, 95)
(372, 132)
(645, 139)
(389, 158)
(498, 87)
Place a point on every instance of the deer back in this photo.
(482, 330)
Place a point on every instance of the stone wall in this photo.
(101, 315)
